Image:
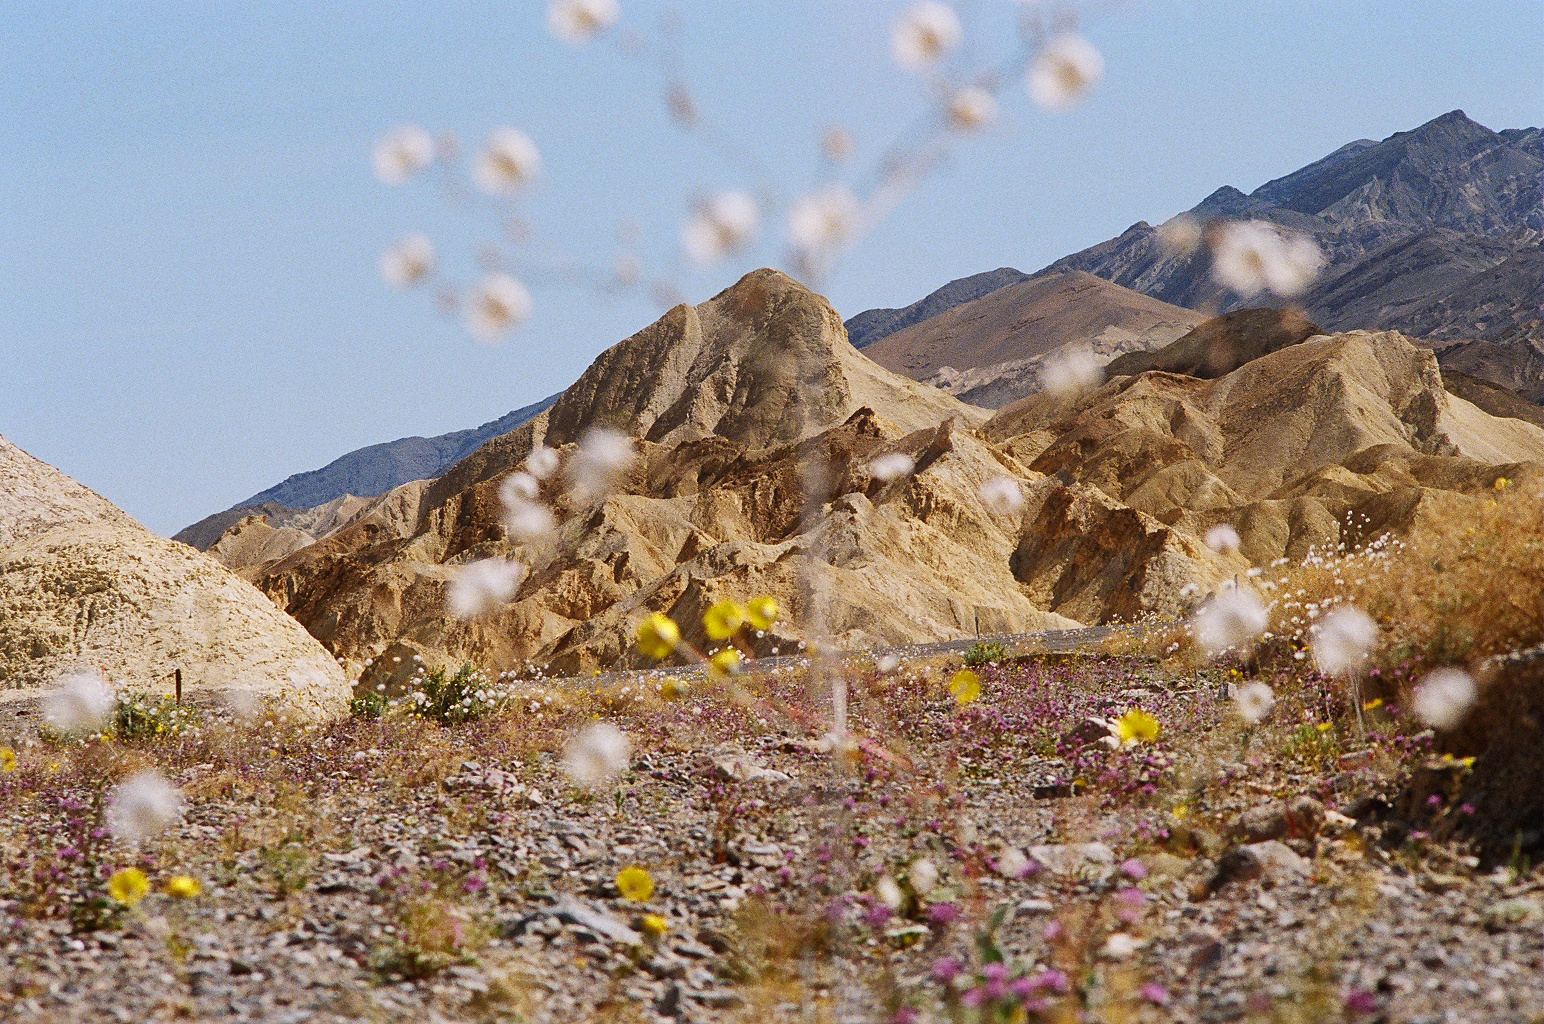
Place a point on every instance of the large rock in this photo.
(83, 586)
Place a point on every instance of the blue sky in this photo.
(192, 308)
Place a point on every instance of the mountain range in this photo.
(1434, 232)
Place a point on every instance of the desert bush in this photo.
(146, 716)
(463, 696)
(985, 652)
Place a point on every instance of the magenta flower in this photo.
(1155, 993)
(1360, 1003)
(943, 913)
(1134, 869)
(945, 969)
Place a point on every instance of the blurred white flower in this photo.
(600, 460)
(923, 33)
(889, 893)
(1119, 946)
(891, 466)
(1253, 701)
(402, 153)
(1003, 495)
(578, 21)
(509, 162)
(823, 221)
(888, 663)
(596, 755)
(1444, 698)
(482, 586)
(1254, 256)
(1071, 370)
(528, 520)
(1223, 539)
(1012, 863)
(1343, 639)
(542, 462)
(923, 876)
(519, 486)
(971, 109)
(1233, 619)
(837, 144)
(1180, 236)
(81, 702)
(1064, 71)
(1189, 590)
(408, 262)
(142, 806)
(720, 226)
(497, 304)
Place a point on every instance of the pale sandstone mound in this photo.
(1331, 439)
(83, 586)
(989, 351)
(731, 400)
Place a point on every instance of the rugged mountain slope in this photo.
(364, 472)
(988, 351)
(1420, 213)
(871, 325)
(1337, 437)
(83, 586)
(1221, 344)
(756, 424)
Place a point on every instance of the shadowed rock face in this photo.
(734, 401)
(1433, 232)
(85, 587)
(1221, 344)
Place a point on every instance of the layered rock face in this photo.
(989, 351)
(757, 426)
(85, 587)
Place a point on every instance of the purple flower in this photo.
(1434, 801)
(1155, 993)
(1055, 980)
(972, 997)
(1359, 1002)
(1053, 931)
(1466, 809)
(906, 1015)
(943, 913)
(1134, 869)
(945, 969)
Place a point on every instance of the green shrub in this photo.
(985, 652)
(147, 716)
(448, 699)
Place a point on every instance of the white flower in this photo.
(82, 702)
(1012, 863)
(497, 304)
(1253, 701)
(1189, 590)
(923, 34)
(480, 587)
(1064, 71)
(889, 893)
(1002, 495)
(1119, 946)
(1444, 698)
(823, 221)
(602, 457)
(519, 486)
(923, 876)
(578, 21)
(1253, 256)
(528, 520)
(1232, 619)
(142, 806)
(1222, 539)
(720, 226)
(596, 755)
(1071, 370)
(408, 262)
(971, 109)
(1180, 236)
(542, 462)
(888, 663)
(1343, 639)
(891, 466)
(509, 162)
(402, 153)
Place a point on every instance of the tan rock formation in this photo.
(83, 586)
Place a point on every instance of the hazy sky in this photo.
(192, 310)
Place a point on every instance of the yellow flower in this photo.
(1181, 811)
(1324, 727)
(1136, 726)
(723, 620)
(1373, 705)
(1502, 483)
(7, 759)
(183, 887)
(657, 635)
(672, 689)
(128, 886)
(653, 925)
(725, 662)
(635, 884)
(965, 685)
(761, 612)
